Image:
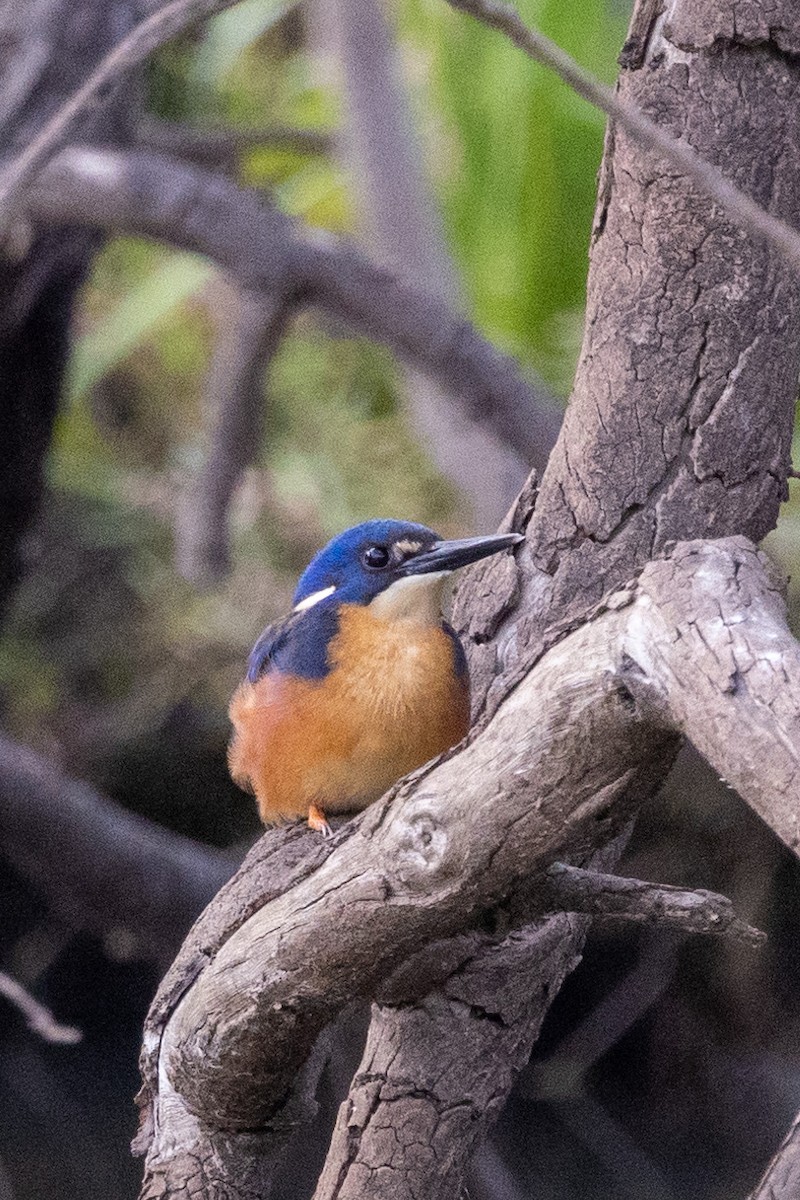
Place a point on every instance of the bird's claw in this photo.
(318, 821)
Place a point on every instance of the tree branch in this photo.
(248, 336)
(726, 676)
(151, 196)
(99, 866)
(435, 1074)
(37, 1017)
(553, 769)
(697, 911)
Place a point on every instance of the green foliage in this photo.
(515, 156)
(173, 279)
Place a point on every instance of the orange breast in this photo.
(390, 702)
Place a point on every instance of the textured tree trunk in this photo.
(679, 428)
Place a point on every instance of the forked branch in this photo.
(550, 775)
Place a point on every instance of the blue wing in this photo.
(263, 655)
(296, 645)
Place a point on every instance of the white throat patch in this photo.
(415, 598)
(313, 599)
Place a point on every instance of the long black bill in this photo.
(449, 556)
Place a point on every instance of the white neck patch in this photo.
(414, 598)
(313, 599)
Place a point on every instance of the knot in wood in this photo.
(421, 847)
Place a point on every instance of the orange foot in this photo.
(317, 821)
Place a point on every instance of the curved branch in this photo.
(575, 890)
(781, 1179)
(248, 337)
(99, 866)
(716, 664)
(553, 770)
(196, 210)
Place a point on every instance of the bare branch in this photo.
(215, 146)
(38, 1018)
(553, 768)
(740, 207)
(248, 336)
(688, 911)
(197, 210)
(781, 1180)
(717, 665)
(131, 52)
(99, 866)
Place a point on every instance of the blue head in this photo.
(396, 567)
(363, 561)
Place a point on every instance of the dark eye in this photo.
(375, 557)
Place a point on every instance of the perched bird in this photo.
(362, 682)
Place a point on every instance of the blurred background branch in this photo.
(248, 335)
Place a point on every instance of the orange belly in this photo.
(390, 702)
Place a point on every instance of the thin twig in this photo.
(129, 53)
(38, 1018)
(740, 207)
(659, 904)
(220, 144)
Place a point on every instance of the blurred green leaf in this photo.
(514, 154)
(134, 318)
(230, 33)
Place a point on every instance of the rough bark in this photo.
(420, 1116)
(684, 318)
(663, 440)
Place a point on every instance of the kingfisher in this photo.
(362, 682)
